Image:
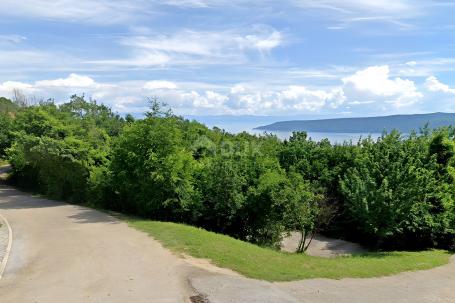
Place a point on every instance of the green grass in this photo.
(3, 162)
(267, 264)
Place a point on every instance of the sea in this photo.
(334, 138)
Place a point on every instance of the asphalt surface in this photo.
(436, 285)
(67, 253)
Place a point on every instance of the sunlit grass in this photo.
(271, 265)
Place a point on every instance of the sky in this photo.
(299, 58)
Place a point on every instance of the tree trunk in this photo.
(303, 237)
(309, 242)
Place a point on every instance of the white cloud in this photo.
(370, 89)
(347, 12)
(209, 99)
(85, 11)
(19, 58)
(378, 8)
(287, 100)
(184, 98)
(22, 61)
(141, 59)
(237, 89)
(426, 67)
(216, 97)
(375, 83)
(360, 102)
(186, 42)
(441, 96)
(198, 3)
(434, 85)
(73, 80)
(160, 84)
(343, 6)
(107, 12)
(11, 39)
(190, 47)
(262, 41)
(56, 88)
(9, 86)
(302, 98)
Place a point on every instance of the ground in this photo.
(271, 265)
(322, 246)
(67, 253)
(4, 169)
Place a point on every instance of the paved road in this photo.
(71, 254)
(67, 253)
(429, 286)
(436, 285)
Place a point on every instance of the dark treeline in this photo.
(393, 193)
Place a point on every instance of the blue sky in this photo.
(328, 58)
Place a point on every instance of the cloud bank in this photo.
(372, 88)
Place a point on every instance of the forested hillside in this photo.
(402, 123)
(397, 192)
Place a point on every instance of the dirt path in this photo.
(322, 246)
(67, 253)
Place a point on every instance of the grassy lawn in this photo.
(3, 162)
(267, 264)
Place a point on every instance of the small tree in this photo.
(305, 218)
(307, 211)
(19, 98)
(157, 109)
(442, 147)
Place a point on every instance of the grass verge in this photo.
(267, 264)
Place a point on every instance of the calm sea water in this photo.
(335, 138)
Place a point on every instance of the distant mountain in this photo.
(253, 120)
(403, 123)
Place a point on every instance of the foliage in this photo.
(7, 110)
(7, 106)
(39, 158)
(5, 133)
(395, 193)
(56, 150)
(152, 170)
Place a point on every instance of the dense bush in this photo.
(395, 195)
(7, 110)
(59, 168)
(152, 171)
(5, 133)
(395, 192)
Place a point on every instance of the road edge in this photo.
(8, 248)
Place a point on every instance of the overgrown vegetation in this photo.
(396, 193)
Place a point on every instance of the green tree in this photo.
(222, 185)
(152, 170)
(5, 133)
(393, 195)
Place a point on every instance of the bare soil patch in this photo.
(322, 246)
